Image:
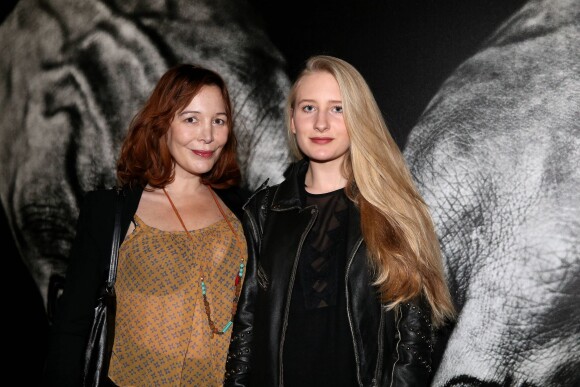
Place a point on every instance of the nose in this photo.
(205, 133)
(321, 123)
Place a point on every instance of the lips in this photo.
(321, 140)
(204, 154)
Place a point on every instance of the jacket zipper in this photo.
(289, 294)
(379, 368)
(398, 315)
(348, 311)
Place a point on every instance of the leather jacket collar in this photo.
(288, 195)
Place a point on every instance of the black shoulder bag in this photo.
(100, 344)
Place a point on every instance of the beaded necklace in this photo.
(238, 280)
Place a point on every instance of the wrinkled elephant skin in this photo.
(497, 157)
(75, 72)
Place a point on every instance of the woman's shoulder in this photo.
(112, 192)
(101, 196)
(234, 193)
(101, 199)
(260, 199)
(234, 197)
(97, 196)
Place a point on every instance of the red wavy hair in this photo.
(145, 157)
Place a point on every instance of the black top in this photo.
(318, 349)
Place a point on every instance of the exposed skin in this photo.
(496, 156)
(195, 139)
(321, 134)
(73, 75)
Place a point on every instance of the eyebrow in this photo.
(198, 112)
(314, 101)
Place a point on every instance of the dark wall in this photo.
(404, 48)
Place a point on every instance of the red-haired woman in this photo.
(181, 262)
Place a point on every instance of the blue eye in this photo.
(337, 109)
(308, 108)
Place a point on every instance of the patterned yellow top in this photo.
(162, 336)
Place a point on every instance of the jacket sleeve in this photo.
(414, 345)
(75, 308)
(239, 359)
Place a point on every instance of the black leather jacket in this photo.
(392, 347)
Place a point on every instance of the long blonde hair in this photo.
(396, 224)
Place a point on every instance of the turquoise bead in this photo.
(228, 325)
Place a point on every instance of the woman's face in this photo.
(317, 119)
(198, 133)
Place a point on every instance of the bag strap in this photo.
(116, 238)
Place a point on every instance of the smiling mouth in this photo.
(321, 140)
(204, 154)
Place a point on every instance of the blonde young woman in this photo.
(345, 281)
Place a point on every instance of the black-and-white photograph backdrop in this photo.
(482, 96)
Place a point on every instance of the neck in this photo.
(324, 177)
(181, 186)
